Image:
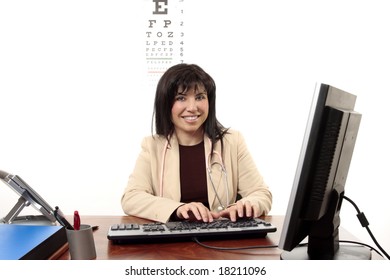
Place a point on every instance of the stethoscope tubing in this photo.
(209, 172)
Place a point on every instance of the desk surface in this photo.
(182, 250)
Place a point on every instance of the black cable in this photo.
(364, 222)
(233, 248)
(362, 244)
(350, 242)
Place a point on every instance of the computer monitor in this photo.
(313, 212)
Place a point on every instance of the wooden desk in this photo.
(105, 250)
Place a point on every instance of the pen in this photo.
(61, 219)
(76, 220)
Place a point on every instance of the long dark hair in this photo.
(185, 76)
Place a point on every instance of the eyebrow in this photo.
(198, 93)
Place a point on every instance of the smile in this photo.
(191, 118)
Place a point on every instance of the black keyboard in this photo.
(186, 230)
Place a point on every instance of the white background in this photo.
(75, 102)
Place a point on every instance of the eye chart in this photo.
(164, 36)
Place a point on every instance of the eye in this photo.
(179, 98)
(201, 96)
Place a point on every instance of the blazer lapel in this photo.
(171, 178)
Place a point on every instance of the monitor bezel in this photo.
(295, 228)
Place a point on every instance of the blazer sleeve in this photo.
(140, 197)
(251, 185)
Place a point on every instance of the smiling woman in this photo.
(189, 111)
(193, 167)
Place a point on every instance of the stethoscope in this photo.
(209, 165)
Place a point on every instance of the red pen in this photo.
(76, 220)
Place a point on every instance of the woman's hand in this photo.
(196, 211)
(240, 210)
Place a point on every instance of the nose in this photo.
(191, 105)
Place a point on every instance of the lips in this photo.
(190, 118)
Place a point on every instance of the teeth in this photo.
(191, 118)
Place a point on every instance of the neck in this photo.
(190, 139)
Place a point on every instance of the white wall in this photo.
(75, 102)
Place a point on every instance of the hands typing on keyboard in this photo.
(186, 230)
(197, 211)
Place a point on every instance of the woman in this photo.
(193, 168)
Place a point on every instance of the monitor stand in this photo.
(39, 220)
(13, 216)
(345, 252)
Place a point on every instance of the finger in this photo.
(233, 214)
(256, 211)
(240, 209)
(182, 213)
(188, 211)
(204, 212)
(210, 215)
(224, 213)
(195, 211)
(248, 209)
(216, 215)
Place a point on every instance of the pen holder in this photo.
(81, 243)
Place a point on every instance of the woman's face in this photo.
(189, 111)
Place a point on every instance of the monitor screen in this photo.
(318, 187)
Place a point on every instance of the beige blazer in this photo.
(142, 195)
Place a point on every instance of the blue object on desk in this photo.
(34, 242)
